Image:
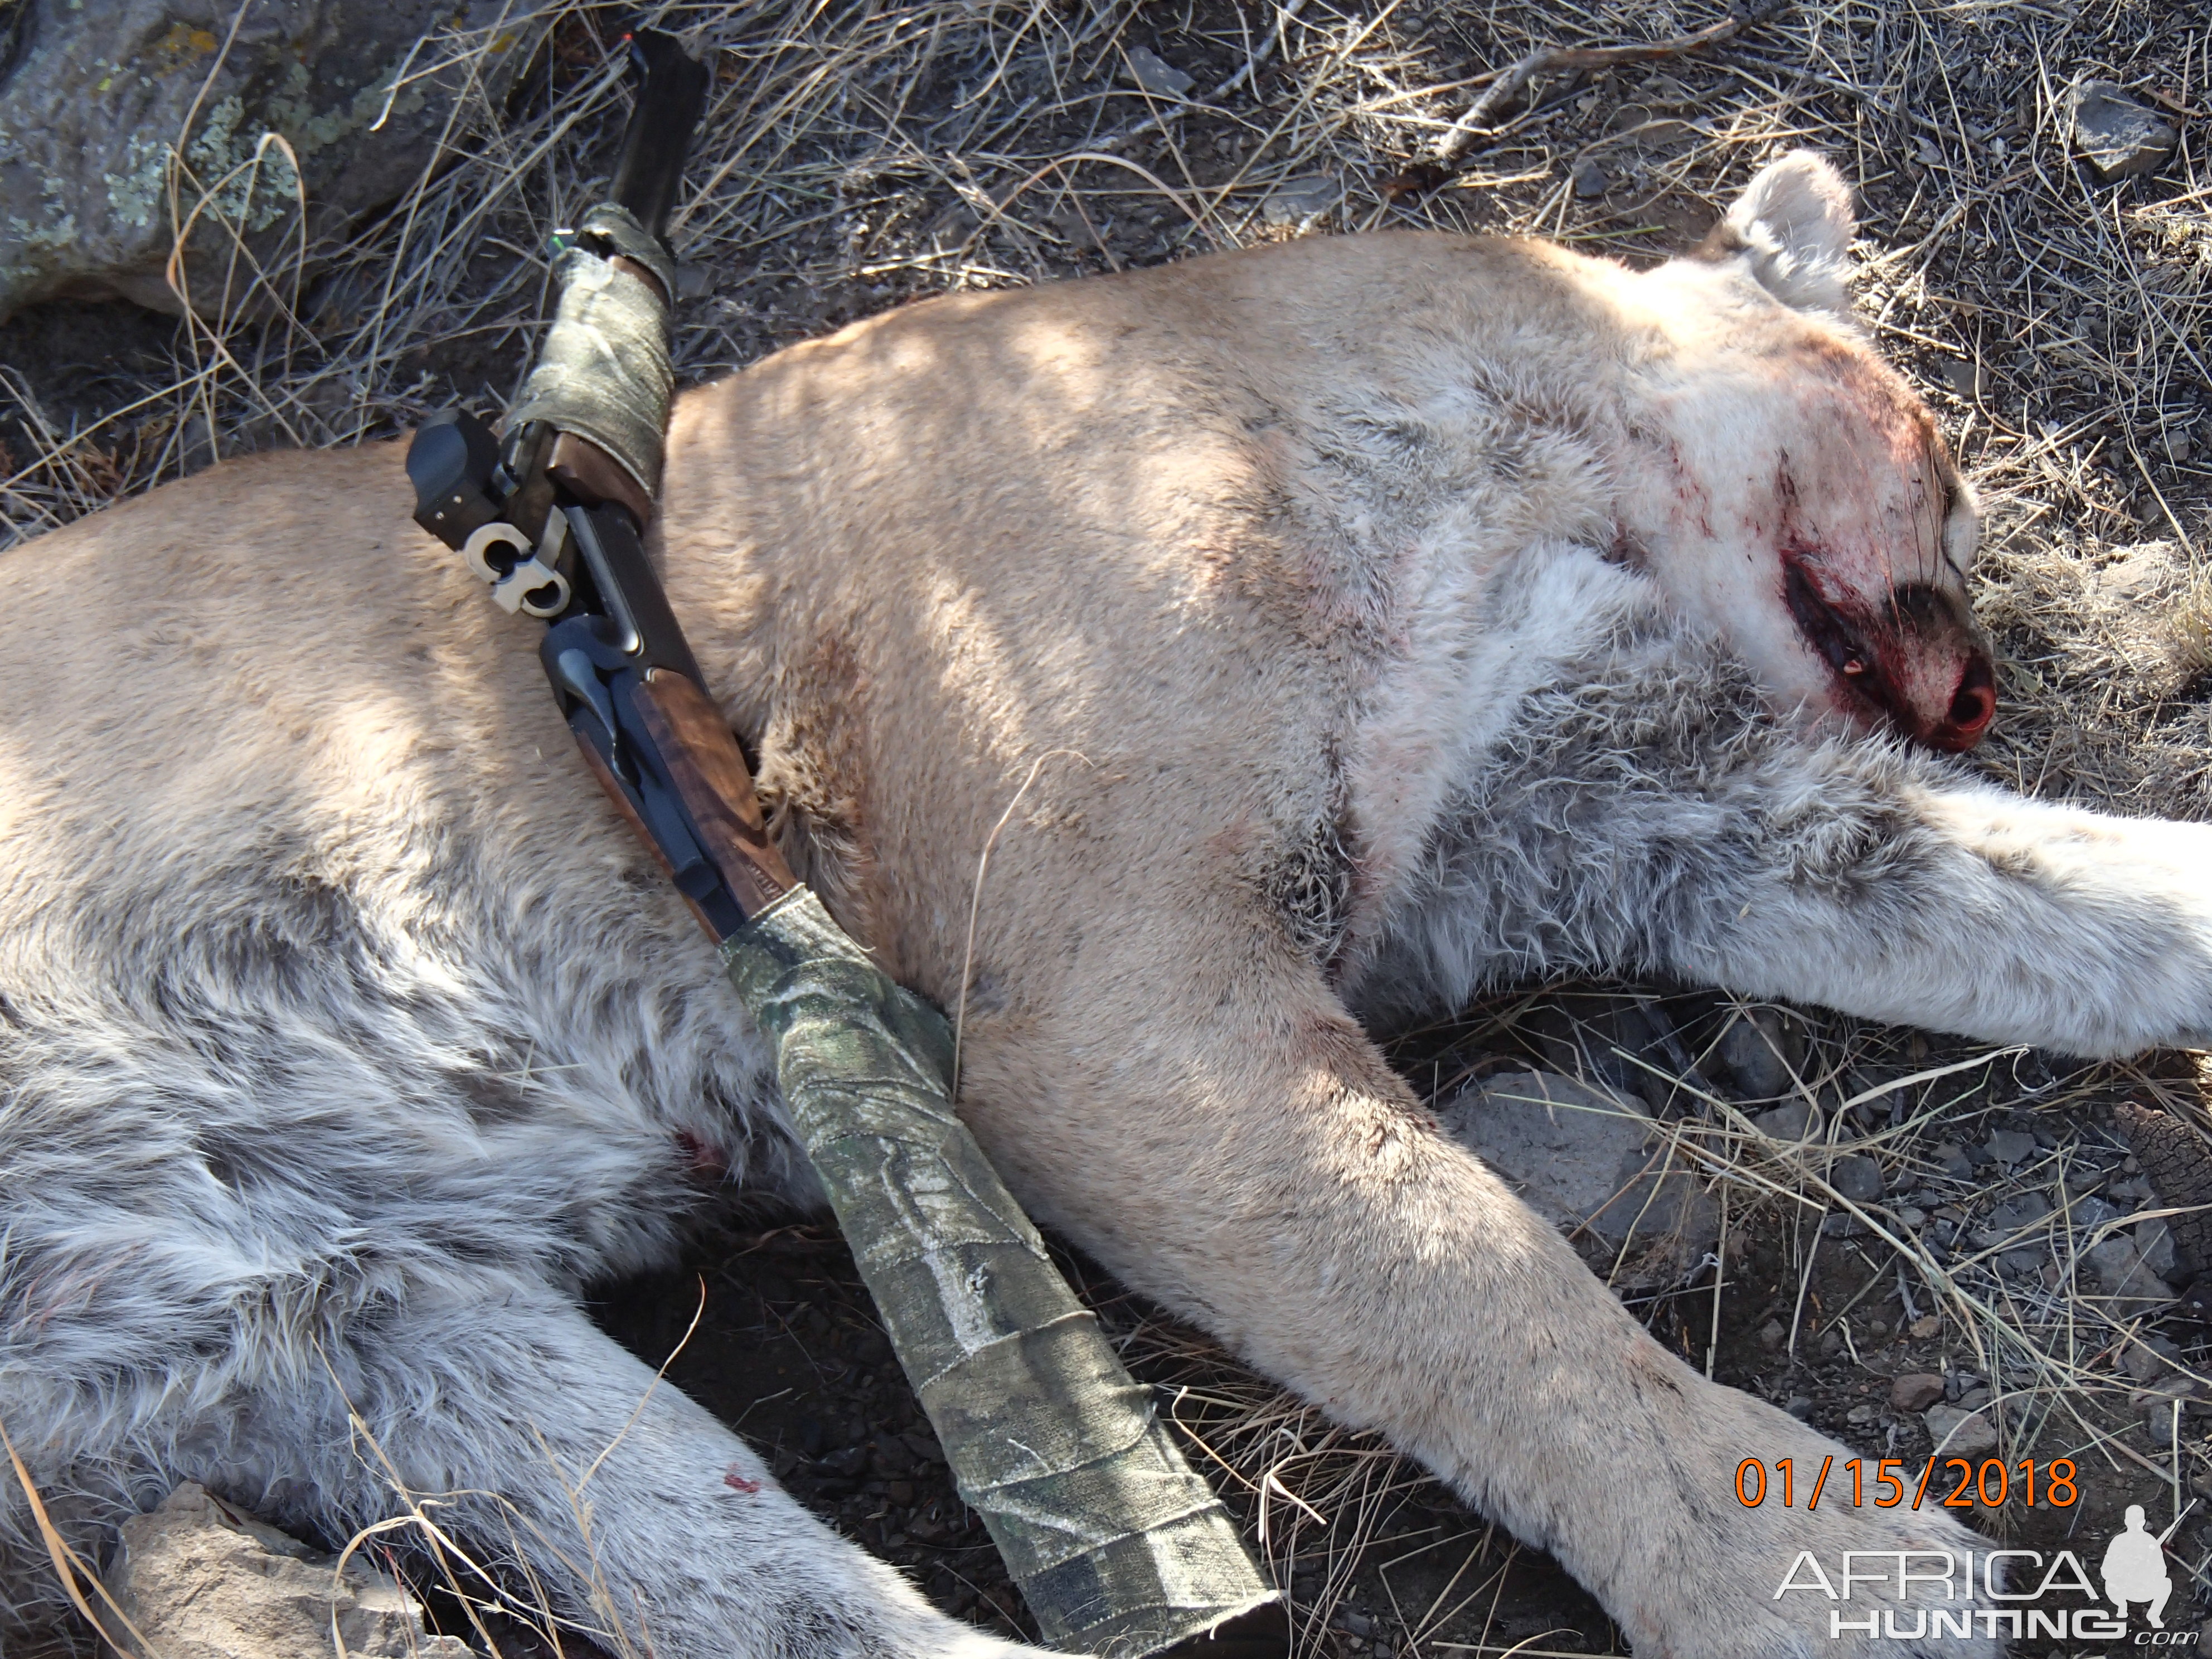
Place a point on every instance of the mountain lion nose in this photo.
(1972, 706)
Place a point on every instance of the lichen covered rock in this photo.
(339, 103)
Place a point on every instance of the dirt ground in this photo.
(865, 155)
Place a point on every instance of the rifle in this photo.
(1118, 1546)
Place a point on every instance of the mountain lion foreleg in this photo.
(1206, 1118)
(1647, 816)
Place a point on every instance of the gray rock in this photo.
(1586, 1158)
(2010, 1147)
(1916, 1391)
(2155, 1403)
(1792, 1120)
(1951, 1158)
(2118, 136)
(2150, 1357)
(93, 107)
(2155, 1244)
(1960, 1433)
(2092, 1213)
(1763, 1050)
(202, 1580)
(1800, 1407)
(2119, 1271)
(1590, 180)
(1156, 76)
(1296, 200)
(2019, 1214)
(1857, 1178)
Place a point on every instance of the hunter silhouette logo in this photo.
(2134, 1569)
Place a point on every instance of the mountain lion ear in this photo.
(1792, 227)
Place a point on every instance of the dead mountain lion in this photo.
(1417, 613)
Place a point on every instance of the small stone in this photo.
(1857, 1178)
(202, 1579)
(1792, 1120)
(1761, 1050)
(1352, 1619)
(900, 1491)
(1951, 1158)
(1964, 1433)
(2093, 1213)
(1911, 1217)
(2113, 1257)
(1862, 1414)
(2010, 1147)
(1928, 1325)
(2120, 1271)
(1840, 1225)
(1916, 1391)
(1298, 200)
(2018, 1215)
(1800, 1407)
(1967, 379)
(1583, 1157)
(2155, 1244)
(1974, 1399)
(2149, 1358)
(1590, 182)
(1771, 1334)
(2156, 1405)
(1155, 75)
(2118, 138)
(2020, 1263)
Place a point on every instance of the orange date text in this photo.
(1951, 1482)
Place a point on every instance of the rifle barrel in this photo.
(661, 122)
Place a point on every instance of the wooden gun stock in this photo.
(707, 771)
(710, 777)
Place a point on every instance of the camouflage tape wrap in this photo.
(1118, 1547)
(604, 372)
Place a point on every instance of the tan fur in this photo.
(1278, 550)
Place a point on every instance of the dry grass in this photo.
(861, 153)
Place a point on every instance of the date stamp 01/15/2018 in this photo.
(1887, 1482)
